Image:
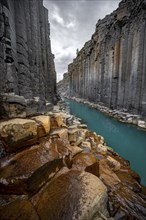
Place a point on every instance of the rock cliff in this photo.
(63, 86)
(111, 67)
(26, 61)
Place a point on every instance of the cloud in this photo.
(72, 23)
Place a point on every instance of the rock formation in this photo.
(54, 168)
(63, 86)
(26, 61)
(51, 166)
(111, 67)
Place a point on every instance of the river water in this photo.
(125, 139)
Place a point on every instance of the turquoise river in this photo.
(125, 139)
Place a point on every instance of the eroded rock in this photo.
(27, 171)
(83, 160)
(43, 123)
(17, 208)
(73, 195)
(56, 120)
(17, 133)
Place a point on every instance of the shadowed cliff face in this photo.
(111, 68)
(26, 61)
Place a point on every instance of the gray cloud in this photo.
(72, 23)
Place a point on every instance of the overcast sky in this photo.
(72, 23)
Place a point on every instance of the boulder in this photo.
(14, 207)
(101, 149)
(12, 106)
(86, 146)
(114, 164)
(17, 133)
(27, 171)
(56, 120)
(48, 107)
(83, 160)
(84, 126)
(35, 106)
(73, 195)
(96, 138)
(60, 133)
(100, 138)
(128, 180)
(43, 123)
(61, 146)
(76, 135)
(108, 177)
(141, 124)
(75, 150)
(72, 127)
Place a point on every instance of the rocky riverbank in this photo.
(120, 115)
(53, 167)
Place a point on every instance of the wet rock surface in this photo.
(17, 208)
(67, 197)
(27, 171)
(59, 178)
(51, 166)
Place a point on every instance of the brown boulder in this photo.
(87, 162)
(76, 135)
(56, 120)
(43, 124)
(17, 133)
(114, 164)
(75, 150)
(17, 208)
(73, 195)
(86, 146)
(108, 177)
(59, 133)
(28, 170)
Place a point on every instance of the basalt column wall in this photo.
(111, 68)
(26, 61)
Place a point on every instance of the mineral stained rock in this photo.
(111, 67)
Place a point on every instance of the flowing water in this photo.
(127, 140)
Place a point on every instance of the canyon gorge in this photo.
(52, 167)
(111, 67)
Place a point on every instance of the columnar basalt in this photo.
(111, 68)
(63, 85)
(52, 167)
(26, 61)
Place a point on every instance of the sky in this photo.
(72, 23)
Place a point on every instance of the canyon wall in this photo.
(26, 61)
(111, 68)
(63, 86)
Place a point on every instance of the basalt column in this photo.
(111, 68)
(26, 61)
